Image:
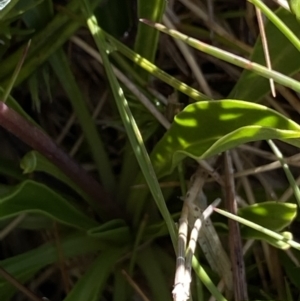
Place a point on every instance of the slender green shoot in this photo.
(286, 169)
(229, 57)
(277, 236)
(132, 130)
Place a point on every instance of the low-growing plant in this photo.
(90, 189)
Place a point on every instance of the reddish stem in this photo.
(38, 140)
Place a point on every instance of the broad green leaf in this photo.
(91, 284)
(114, 232)
(206, 128)
(271, 215)
(34, 161)
(34, 197)
(152, 270)
(10, 168)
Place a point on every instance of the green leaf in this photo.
(6, 6)
(34, 161)
(62, 69)
(34, 197)
(25, 265)
(115, 231)
(90, 285)
(152, 271)
(295, 7)
(290, 268)
(284, 239)
(251, 86)
(206, 128)
(147, 38)
(272, 215)
(130, 125)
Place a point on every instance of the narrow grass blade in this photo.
(277, 22)
(90, 286)
(229, 57)
(155, 71)
(129, 123)
(62, 69)
(266, 231)
(147, 38)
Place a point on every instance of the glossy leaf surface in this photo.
(31, 196)
(272, 215)
(206, 128)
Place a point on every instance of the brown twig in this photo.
(38, 140)
(135, 286)
(235, 243)
(27, 292)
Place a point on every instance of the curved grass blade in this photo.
(35, 162)
(132, 130)
(31, 196)
(155, 71)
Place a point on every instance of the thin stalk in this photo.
(277, 22)
(9, 278)
(229, 57)
(265, 46)
(16, 72)
(131, 127)
(44, 43)
(38, 140)
(62, 69)
(147, 38)
(155, 71)
(286, 169)
(259, 228)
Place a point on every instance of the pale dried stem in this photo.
(12, 225)
(181, 282)
(190, 59)
(128, 83)
(265, 46)
(199, 11)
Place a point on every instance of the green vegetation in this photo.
(91, 170)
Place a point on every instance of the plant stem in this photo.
(38, 140)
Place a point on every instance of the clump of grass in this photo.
(92, 210)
